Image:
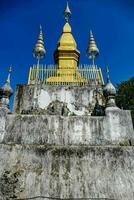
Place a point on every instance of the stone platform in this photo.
(67, 157)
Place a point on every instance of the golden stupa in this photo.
(66, 57)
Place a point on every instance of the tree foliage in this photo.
(125, 96)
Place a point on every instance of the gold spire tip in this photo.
(67, 12)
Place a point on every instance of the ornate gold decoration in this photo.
(67, 12)
(66, 56)
(39, 49)
(92, 50)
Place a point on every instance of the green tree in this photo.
(125, 96)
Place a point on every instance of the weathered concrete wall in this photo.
(79, 100)
(3, 118)
(66, 172)
(67, 157)
(114, 128)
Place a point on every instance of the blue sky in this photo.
(112, 22)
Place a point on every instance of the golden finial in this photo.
(92, 50)
(67, 12)
(39, 50)
(67, 41)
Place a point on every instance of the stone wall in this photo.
(114, 128)
(67, 157)
(28, 171)
(65, 153)
(79, 100)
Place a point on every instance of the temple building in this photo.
(65, 138)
